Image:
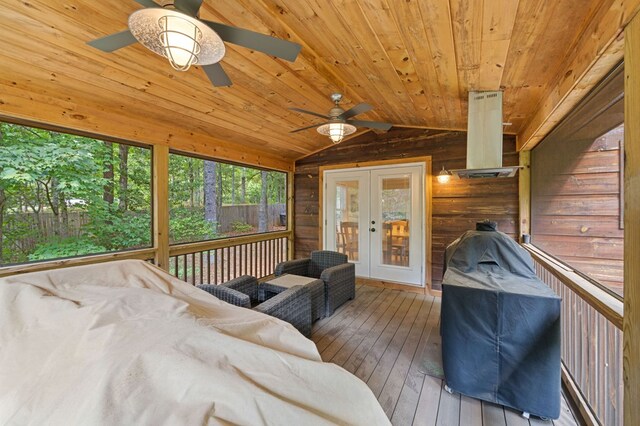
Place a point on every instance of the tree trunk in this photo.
(3, 199)
(123, 153)
(211, 194)
(243, 190)
(192, 180)
(107, 174)
(233, 185)
(262, 209)
(64, 215)
(220, 189)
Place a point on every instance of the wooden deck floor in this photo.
(381, 336)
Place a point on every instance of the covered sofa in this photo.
(500, 325)
(126, 343)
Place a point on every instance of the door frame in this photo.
(426, 162)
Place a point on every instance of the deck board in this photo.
(382, 336)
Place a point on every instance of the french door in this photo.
(376, 216)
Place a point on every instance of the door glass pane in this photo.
(396, 212)
(347, 215)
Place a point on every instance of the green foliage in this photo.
(116, 230)
(241, 227)
(45, 174)
(57, 248)
(188, 225)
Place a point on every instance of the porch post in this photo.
(290, 212)
(631, 321)
(161, 205)
(524, 193)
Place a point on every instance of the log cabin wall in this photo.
(457, 205)
(576, 205)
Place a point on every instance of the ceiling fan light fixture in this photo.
(336, 131)
(182, 39)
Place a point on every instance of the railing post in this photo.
(161, 205)
(290, 213)
(524, 191)
(631, 321)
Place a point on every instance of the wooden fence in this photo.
(45, 225)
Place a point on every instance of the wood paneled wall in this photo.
(576, 207)
(457, 205)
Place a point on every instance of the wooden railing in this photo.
(217, 261)
(591, 338)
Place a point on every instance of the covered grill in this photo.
(500, 324)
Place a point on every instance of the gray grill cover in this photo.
(500, 325)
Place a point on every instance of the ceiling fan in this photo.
(338, 125)
(175, 32)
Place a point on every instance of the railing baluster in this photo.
(591, 350)
(215, 266)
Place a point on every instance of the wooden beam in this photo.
(141, 254)
(598, 50)
(524, 193)
(161, 205)
(631, 321)
(290, 216)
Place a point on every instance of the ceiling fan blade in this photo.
(262, 43)
(306, 128)
(114, 41)
(217, 75)
(371, 124)
(358, 109)
(190, 7)
(147, 3)
(326, 117)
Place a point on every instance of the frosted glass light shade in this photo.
(443, 176)
(178, 37)
(336, 131)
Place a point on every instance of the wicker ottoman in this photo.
(284, 282)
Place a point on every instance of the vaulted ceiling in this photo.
(413, 60)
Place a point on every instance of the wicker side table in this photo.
(284, 282)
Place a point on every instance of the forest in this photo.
(64, 195)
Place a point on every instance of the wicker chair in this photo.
(292, 305)
(333, 268)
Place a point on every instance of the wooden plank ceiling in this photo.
(414, 61)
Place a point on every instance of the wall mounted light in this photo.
(443, 176)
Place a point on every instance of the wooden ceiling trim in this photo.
(597, 52)
(436, 18)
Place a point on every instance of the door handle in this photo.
(372, 229)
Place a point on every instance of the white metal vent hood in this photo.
(484, 138)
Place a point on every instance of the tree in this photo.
(262, 209)
(211, 193)
(123, 196)
(108, 174)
